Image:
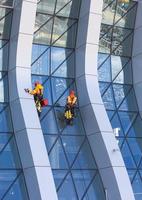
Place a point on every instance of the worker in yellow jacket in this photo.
(37, 92)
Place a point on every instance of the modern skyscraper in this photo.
(94, 48)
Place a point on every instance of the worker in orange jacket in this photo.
(71, 102)
(37, 92)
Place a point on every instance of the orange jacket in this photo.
(71, 100)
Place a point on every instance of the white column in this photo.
(27, 129)
(98, 128)
(137, 56)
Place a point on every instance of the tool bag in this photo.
(44, 102)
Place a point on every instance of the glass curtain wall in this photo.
(12, 184)
(116, 87)
(53, 64)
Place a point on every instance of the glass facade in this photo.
(116, 87)
(53, 64)
(12, 185)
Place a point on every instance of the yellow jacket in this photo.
(37, 90)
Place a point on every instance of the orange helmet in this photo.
(72, 92)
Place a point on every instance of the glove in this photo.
(26, 90)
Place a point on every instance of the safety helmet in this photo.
(72, 92)
(36, 83)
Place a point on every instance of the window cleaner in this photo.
(37, 92)
(69, 113)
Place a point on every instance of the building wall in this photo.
(12, 182)
(53, 64)
(116, 83)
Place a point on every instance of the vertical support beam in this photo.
(99, 131)
(28, 133)
(137, 57)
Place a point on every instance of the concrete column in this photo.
(98, 128)
(27, 129)
(137, 57)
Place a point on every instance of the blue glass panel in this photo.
(110, 114)
(72, 145)
(6, 179)
(127, 119)
(59, 112)
(17, 191)
(38, 50)
(135, 145)
(48, 123)
(5, 119)
(102, 58)
(120, 91)
(131, 174)
(57, 157)
(108, 99)
(137, 186)
(4, 138)
(5, 22)
(115, 122)
(116, 65)
(136, 129)
(95, 190)
(41, 66)
(103, 87)
(67, 190)
(125, 76)
(44, 112)
(127, 156)
(105, 71)
(66, 69)
(9, 157)
(59, 175)
(4, 45)
(85, 159)
(49, 141)
(59, 58)
(82, 179)
(59, 87)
